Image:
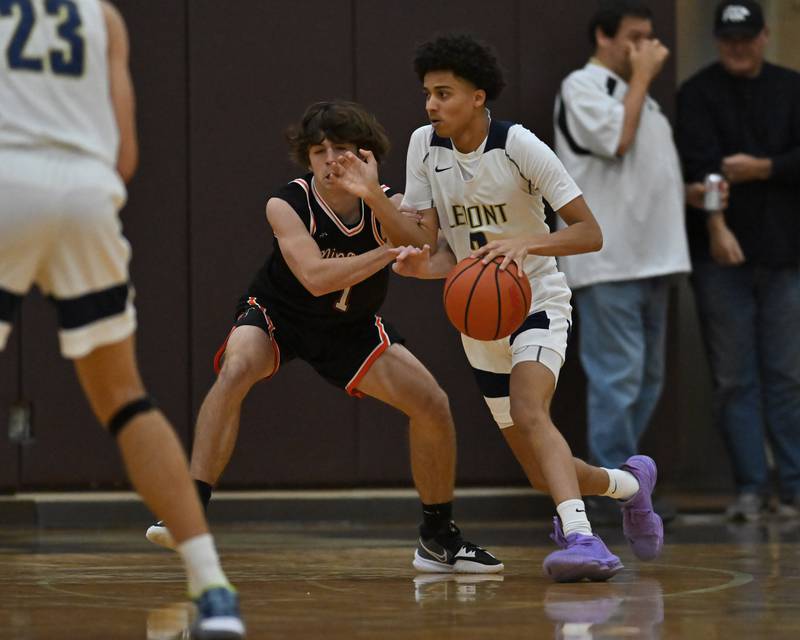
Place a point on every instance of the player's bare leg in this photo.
(400, 380)
(110, 378)
(158, 470)
(583, 555)
(592, 481)
(633, 483)
(538, 445)
(249, 358)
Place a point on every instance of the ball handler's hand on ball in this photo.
(413, 262)
(513, 249)
(358, 176)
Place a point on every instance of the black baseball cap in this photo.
(743, 19)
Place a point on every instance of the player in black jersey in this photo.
(328, 275)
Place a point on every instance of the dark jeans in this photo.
(750, 317)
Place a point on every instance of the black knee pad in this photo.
(128, 412)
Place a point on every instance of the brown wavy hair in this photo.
(341, 122)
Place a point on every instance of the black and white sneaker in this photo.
(448, 552)
(159, 534)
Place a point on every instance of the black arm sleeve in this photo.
(786, 165)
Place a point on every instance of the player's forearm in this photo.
(581, 237)
(401, 230)
(325, 275)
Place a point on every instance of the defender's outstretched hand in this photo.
(357, 175)
(412, 262)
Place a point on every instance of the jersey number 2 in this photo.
(476, 240)
(62, 64)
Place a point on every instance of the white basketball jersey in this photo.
(54, 84)
(494, 192)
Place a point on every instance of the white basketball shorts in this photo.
(59, 229)
(541, 338)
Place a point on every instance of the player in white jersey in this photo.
(67, 143)
(479, 184)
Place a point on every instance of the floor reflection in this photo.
(458, 587)
(338, 582)
(171, 622)
(606, 610)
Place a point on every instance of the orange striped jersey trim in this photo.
(380, 240)
(352, 386)
(335, 218)
(312, 223)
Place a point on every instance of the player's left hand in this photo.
(356, 175)
(512, 249)
(742, 167)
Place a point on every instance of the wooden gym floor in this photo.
(340, 581)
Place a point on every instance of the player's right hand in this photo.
(413, 262)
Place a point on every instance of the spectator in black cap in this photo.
(741, 117)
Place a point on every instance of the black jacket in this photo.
(721, 115)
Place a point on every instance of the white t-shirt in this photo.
(494, 192)
(638, 198)
(54, 86)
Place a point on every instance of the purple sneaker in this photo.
(580, 557)
(642, 526)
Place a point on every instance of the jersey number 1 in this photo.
(62, 64)
(344, 300)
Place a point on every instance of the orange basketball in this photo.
(484, 302)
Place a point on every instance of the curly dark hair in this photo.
(341, 122)
(610, 13)
(466, 57)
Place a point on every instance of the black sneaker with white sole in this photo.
(448, 552)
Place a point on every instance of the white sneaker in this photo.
(160, 535)
(748, 507)
(789, 510)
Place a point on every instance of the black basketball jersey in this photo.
(276, 283)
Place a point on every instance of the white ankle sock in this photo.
(202, 564)
(621, 484)
(573, 517)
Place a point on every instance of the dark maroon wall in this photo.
(70, 449)
(217, 85)
(9, 393)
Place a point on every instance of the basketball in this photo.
(484, 302)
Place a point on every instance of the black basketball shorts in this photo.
(341, 352)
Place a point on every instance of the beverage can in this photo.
(712, 200)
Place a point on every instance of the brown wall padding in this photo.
(217, 85)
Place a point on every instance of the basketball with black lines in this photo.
(484, 302)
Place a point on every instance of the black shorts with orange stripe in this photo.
(342, 353)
